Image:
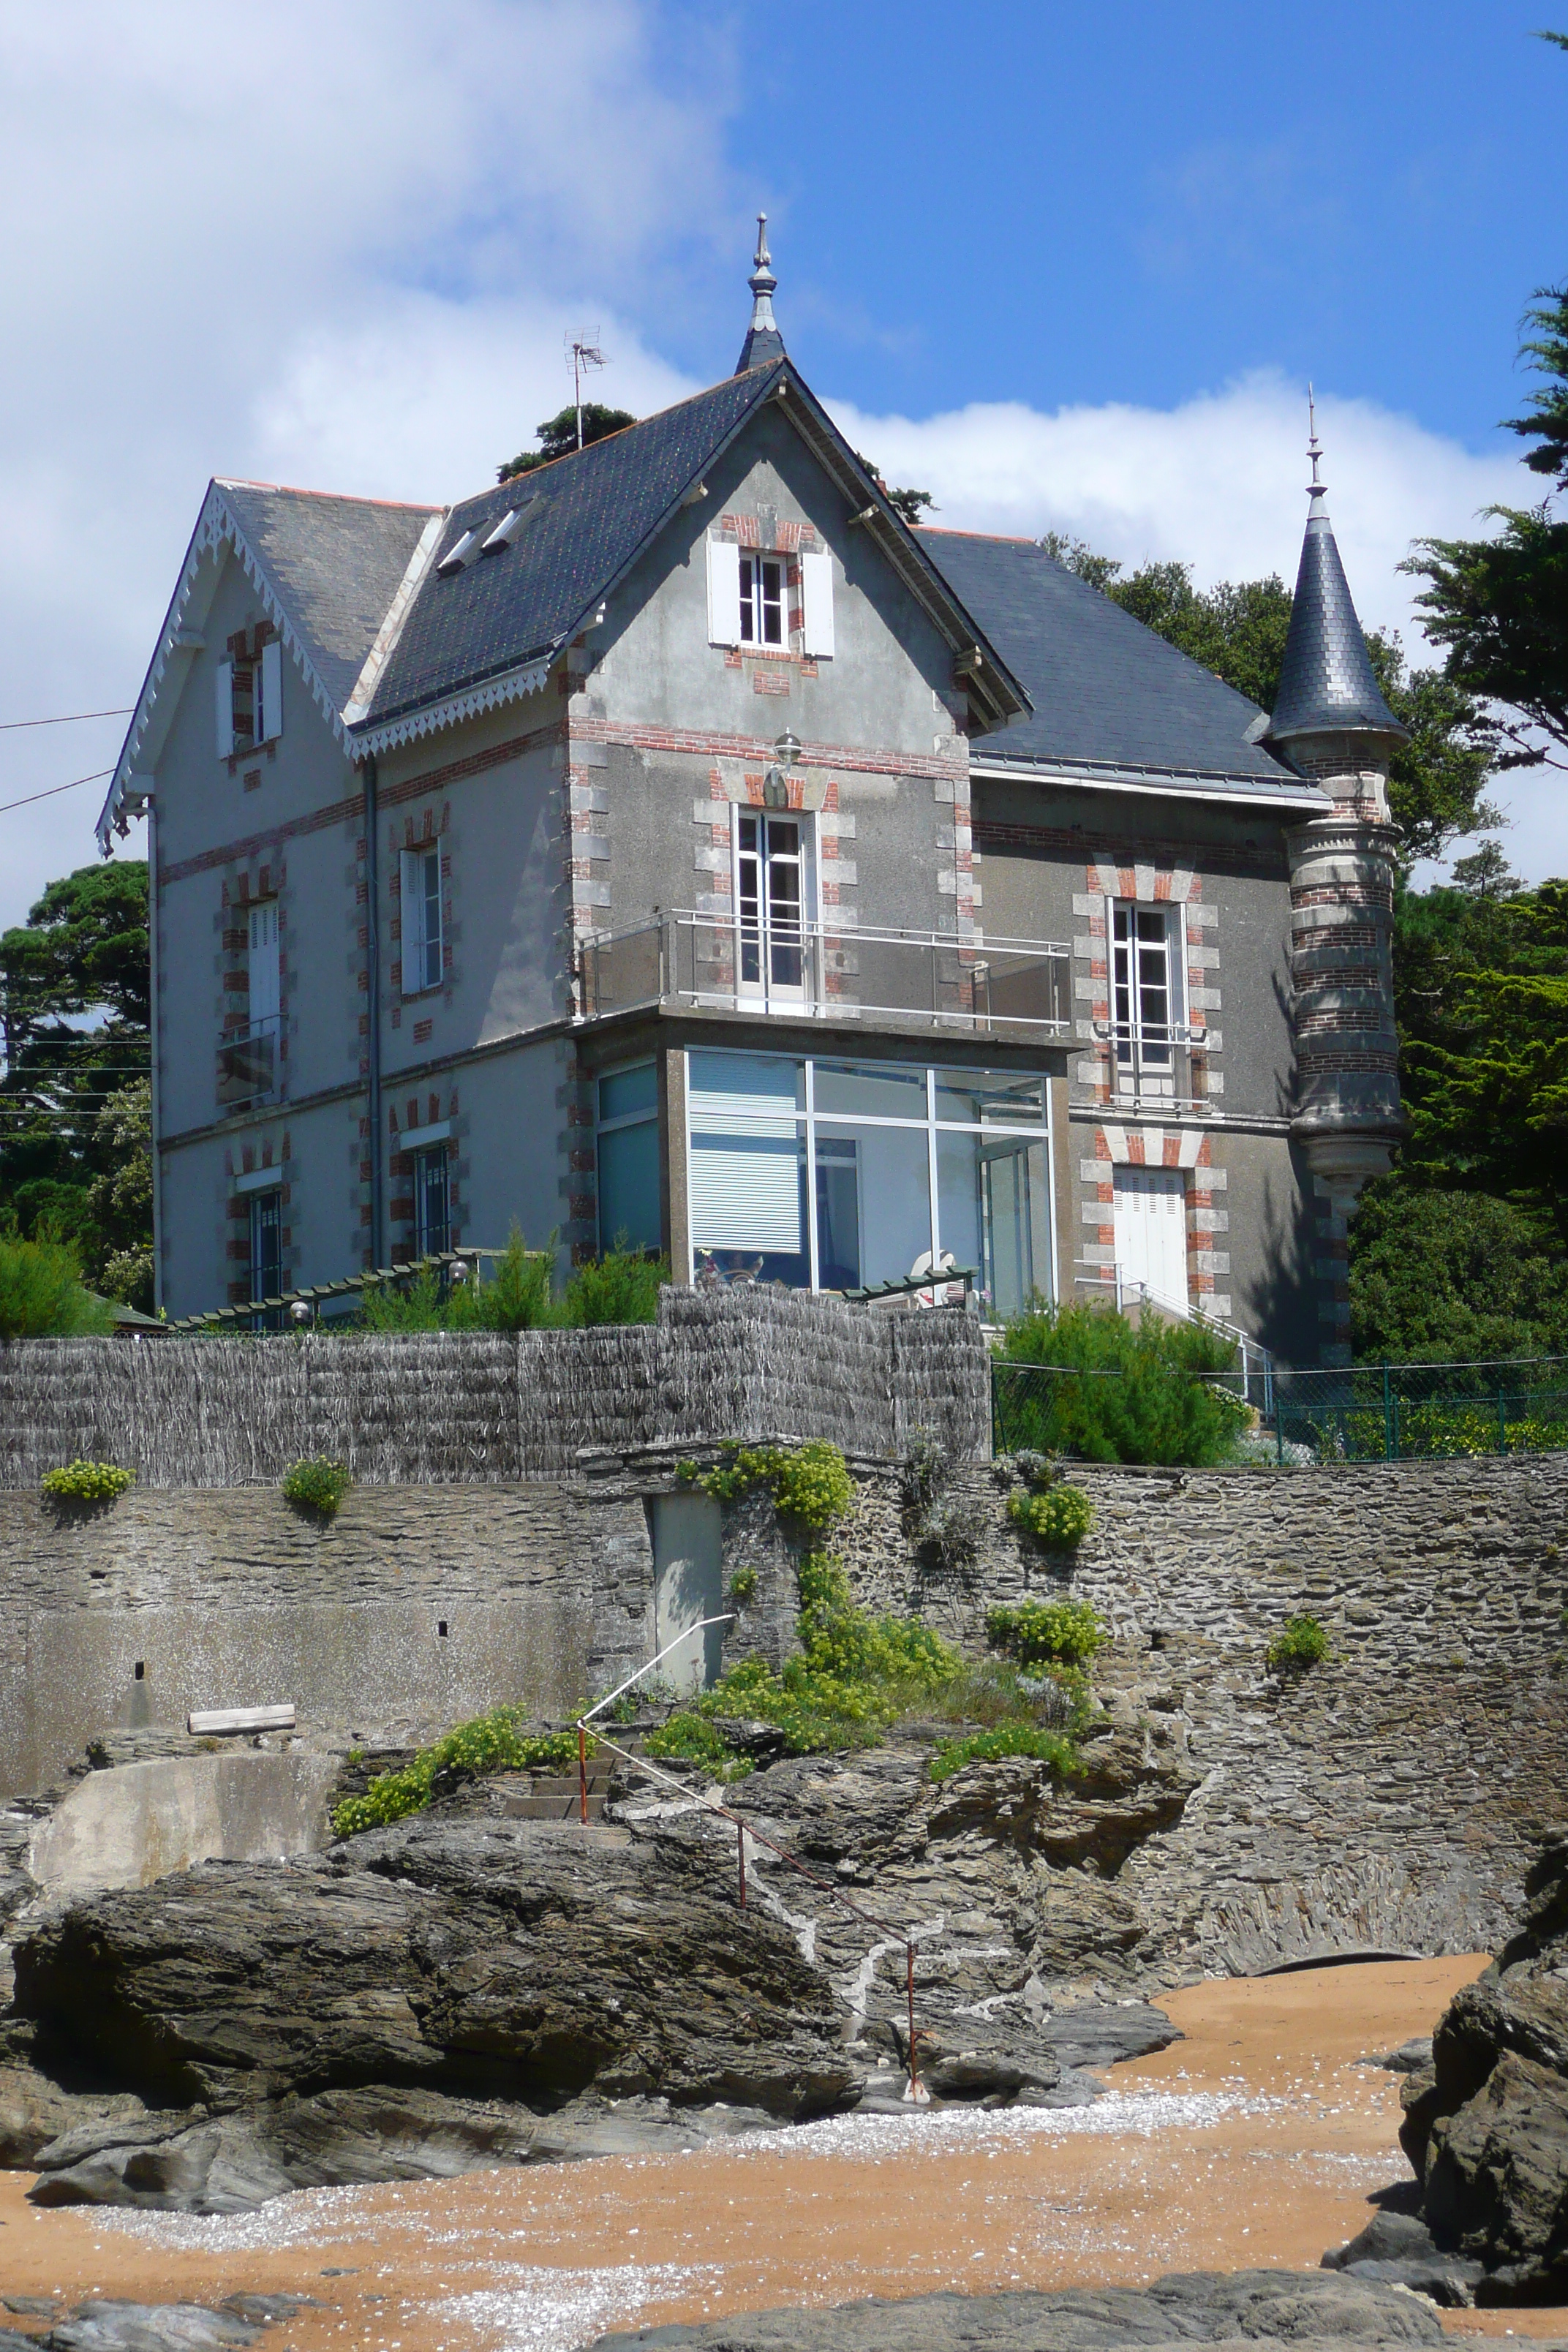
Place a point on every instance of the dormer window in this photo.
(249, 699)
(762, 600)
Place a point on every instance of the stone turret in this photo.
(1331, 725)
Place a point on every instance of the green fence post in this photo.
(1388, 1453)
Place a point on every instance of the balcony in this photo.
(249, 1066)
(821, 972)
(1151, 1066)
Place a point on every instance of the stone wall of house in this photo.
(1390, 1798)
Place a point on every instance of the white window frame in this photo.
(423, 955)
(266, 695)
(422, 1156)
(648, 1116)
(1138, 1044)
(764, 598)
(264, 959)
(771, 947)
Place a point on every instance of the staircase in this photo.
(555, 1796)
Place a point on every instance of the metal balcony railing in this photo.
(720, 963)
(249, 1065)
(1153, 1065)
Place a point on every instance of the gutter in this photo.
(1164, 786)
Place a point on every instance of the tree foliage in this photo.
(557, 436)
(1439, 1275)
(75, 1103)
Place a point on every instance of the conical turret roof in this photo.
(764, 342)
(1327, 686)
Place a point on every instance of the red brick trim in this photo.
(749, 747)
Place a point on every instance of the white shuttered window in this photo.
(817, 597)
(723, 593)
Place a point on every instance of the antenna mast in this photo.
(585, 353)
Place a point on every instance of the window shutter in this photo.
(817, 597)
(223, 680)
(272, 690)
(411, 921)
(723, 593)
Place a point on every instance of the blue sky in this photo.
(1132, 203)
(1068, 268)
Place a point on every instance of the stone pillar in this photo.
(1347, 1117)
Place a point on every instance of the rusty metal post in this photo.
(914, 2062)
(583, 1772)
(741, 1850)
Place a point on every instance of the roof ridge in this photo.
(602, 440)
(350, 497)
(998, 538)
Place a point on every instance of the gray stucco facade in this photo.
(722, 792)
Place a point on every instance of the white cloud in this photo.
(1218, 483)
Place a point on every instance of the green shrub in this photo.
(317, 1486)
(743, 1585)
(86, 1482)
(690, 1739)
(1116, 1393)
(1047, 1632)
(1046, 1747)
(42, 1296)
(1302, 1643)
(488, 1743)
(808, 1483)
(1061, 1517)
(622, 1287)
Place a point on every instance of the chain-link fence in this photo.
(1406, 1412)
(1364, 1413)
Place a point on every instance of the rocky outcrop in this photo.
(470, 1988)
(1486, 2125)
(1296, 2307)
(104, 2327)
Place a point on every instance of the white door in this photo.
(772, 856)
(1151, 1219)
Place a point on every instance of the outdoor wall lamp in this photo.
(775, 784)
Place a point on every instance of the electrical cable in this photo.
(9, 726)
(96, 778)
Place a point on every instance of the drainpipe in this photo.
(373, 949)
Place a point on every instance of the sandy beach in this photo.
(1257, 2140)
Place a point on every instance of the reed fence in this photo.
(445, 1407)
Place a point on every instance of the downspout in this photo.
(154, 1053)
(373, 952)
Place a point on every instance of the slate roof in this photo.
(589, 517)
(1326, 681)
(334, 565)
(1110, 696)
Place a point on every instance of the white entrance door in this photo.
(1152, 1231)
(688, 1566)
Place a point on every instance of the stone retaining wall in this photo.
(1389, 1797)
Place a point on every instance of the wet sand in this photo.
(1256, 2141)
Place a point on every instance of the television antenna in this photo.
(585, 353)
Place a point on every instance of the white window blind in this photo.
(723, 593)
(265, 973)
(223, 685)
(746, 1156)
(266, 691)
(817, 597)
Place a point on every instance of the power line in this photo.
(96, 778)
(9, 726)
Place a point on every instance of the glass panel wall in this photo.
(838, 1175)
(626, 1150)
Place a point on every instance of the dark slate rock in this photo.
(1294, 2308)
(1412, 2057)
(150, 2327)
(1102, 2033)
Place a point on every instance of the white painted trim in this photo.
(257, 1180)
(391, 629)
(415, 1139)
(216, 528)
(1170, 789)
(515, 686)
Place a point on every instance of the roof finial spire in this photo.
(1315, 488)
(764, 341)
